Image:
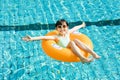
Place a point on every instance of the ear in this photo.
(68, 27)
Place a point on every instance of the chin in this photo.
(61, 33)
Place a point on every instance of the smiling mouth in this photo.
(61, 31)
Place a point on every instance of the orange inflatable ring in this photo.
(53, 50)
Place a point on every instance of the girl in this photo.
(64, 40)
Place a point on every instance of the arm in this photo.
(77, 27)
(29, 38)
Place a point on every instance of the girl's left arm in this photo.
(77, 27)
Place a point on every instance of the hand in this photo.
(27, 38)
(83, 24)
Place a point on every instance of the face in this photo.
(62, 29)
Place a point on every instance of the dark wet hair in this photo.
(59, 22)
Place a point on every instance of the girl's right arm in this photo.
(29, 38)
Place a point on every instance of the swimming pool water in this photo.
(21, 60)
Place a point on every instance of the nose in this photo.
(62, 28)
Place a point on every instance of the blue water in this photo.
(21, 60)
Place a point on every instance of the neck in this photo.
(63, 35)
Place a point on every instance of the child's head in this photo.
(60, 22)
(61, 26)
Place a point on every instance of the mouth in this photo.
(62, 31)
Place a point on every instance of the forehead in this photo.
(63, 23)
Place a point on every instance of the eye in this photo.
(59, 26)
(64, 26)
